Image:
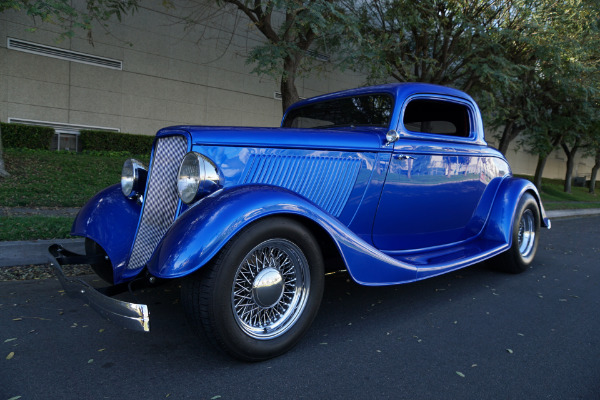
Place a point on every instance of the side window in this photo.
(438, 117)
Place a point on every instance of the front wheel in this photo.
(261, 293)
(525, 237)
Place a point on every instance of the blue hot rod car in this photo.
(394, 183)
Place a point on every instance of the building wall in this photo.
(524, 163)
(171, 75)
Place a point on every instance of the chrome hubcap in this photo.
(270, 289)
(267, 288)
(526, 234)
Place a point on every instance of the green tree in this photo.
(295, 31)
(69, 16)
(566, 66)
(435, 41)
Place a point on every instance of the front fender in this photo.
(199, 233)
(202, 230)
(500, 224)
(110, 219)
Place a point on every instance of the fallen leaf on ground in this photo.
(10, 355)
(460, 374)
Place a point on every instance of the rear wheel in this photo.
(261, 293)
(525, 237)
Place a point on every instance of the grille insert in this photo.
(160, 204)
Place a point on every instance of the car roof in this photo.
(397, 90)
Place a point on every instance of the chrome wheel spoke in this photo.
(270, 289)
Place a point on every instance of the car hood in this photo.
(347, 138)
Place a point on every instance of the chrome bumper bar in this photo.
(128, 315)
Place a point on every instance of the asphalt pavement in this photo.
(472, 334)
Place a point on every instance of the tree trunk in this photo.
(3, 173)
(289, 93)
(570, 164)
(508, 135)
(595, 173)
(539, 171)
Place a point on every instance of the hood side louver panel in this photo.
(326, 181)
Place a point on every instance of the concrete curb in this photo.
(573, 213)
(35, 251)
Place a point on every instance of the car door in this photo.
(437, 190)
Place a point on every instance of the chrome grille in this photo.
(161, 199)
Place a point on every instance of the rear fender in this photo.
(200, 232)
(110, 219)
(500, 224)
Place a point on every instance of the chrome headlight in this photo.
(133, 178)
(197, 177)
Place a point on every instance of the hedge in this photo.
(26, 136)
(112, 141)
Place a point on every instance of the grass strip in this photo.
(41, 178)
(34, 227)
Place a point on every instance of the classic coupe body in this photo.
(393, 183)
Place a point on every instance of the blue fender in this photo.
(200, 232)
(110, 219)
(500, 223)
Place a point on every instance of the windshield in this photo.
(368, 110)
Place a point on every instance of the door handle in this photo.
(403, 157)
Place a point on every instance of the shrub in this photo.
(115, 142)
(26, 136)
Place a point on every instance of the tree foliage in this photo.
(434, 41)
(295, 31)
(68, 16)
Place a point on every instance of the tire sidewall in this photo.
(520, 262)
(221, 314)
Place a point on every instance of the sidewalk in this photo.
(35, 251)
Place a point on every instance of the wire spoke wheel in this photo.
(259, 295)
(270, 289)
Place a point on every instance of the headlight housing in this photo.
(133, 178)
(198, 176)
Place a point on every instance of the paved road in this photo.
(474, 334)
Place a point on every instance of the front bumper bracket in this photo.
(128, 315)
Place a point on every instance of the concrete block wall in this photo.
(524, 163)
(171, 75)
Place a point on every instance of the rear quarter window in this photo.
(437, 117)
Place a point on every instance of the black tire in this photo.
(260, 294)
(525, 237)
(104, 268)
